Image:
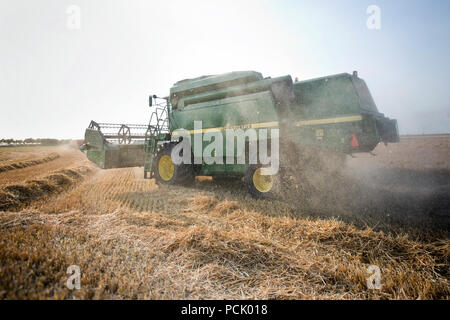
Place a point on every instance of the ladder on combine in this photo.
(157, 131)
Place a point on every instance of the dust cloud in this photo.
(405, 184)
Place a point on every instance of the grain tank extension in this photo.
(335, 113)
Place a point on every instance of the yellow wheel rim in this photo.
(262, 183)
(166, 168)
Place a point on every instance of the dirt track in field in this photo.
(135, 239)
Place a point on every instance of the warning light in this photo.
(355, 142)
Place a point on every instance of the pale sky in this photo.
(54, 80)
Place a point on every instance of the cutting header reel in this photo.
(113, 145)
(121, 133)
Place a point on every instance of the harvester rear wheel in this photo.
(166, 172)
(258, 185)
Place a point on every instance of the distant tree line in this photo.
(40, 141)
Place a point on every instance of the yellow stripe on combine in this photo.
(243, 126)
(328, 121)
(275, 124)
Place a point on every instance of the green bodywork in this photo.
(339, 97)
(108, 155)
(334, 112)
(326, 112)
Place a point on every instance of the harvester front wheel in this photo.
(166, 172)
(258, 185)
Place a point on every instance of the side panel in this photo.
(325, 98)
(112, 159)
(210, 83)
(97, 156)
(337, 133)
(131, 156)
(94, 138)
(249, 111)
(338, 113)
(230, 112)
(119, 157)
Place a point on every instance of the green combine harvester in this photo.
(335, 113)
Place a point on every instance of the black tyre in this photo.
(166, 172)
(258, 185)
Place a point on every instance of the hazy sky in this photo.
(54, 79)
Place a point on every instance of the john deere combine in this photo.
(336, 113)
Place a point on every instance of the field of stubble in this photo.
(133, 239)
